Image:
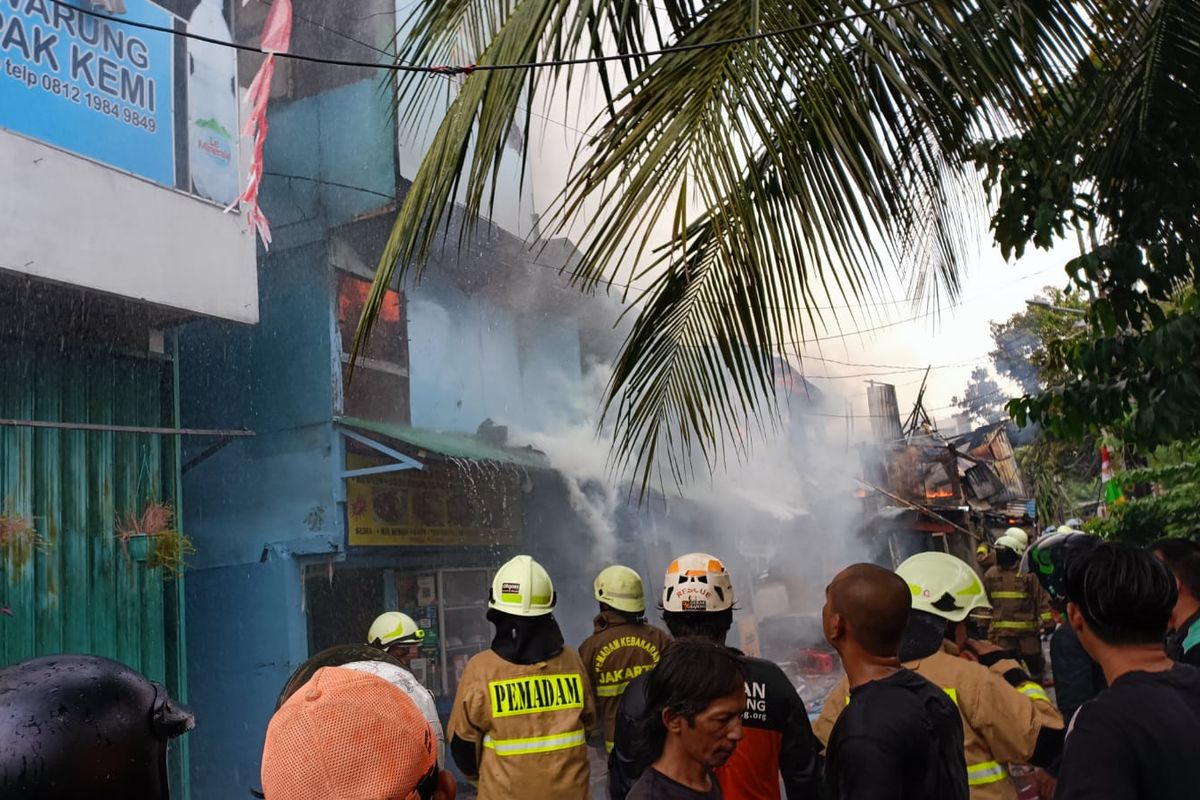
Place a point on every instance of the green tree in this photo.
(1113, 161)
(792, 150)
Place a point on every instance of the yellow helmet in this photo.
(943, 585)
(621, 588)
(522, 587)
(393, 627)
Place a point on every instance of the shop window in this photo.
(380, 386)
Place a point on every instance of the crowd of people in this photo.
(943, 694)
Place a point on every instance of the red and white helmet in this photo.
(697, 582)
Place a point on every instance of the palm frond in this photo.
(812, 163)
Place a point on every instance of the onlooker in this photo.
(348, 734)
(695, 698)
(900, 737)
(75, 726)
(779, 746)
(1182, 557)
(1139, 737)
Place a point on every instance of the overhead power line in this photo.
(449, 69)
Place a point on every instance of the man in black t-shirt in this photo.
(900, 737)
(1140, 738)
(695, 699)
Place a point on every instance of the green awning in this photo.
(446, 443)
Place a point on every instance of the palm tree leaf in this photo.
(817, 162)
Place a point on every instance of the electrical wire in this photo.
(468, 69)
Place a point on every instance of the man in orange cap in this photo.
(351, 735)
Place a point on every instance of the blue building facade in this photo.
(289, 558)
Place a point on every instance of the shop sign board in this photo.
(441, 505)
(147, 102)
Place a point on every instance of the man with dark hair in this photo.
(1182, 557)
(697, 601)
(900, 737)
(695, 700)
(1139, 737)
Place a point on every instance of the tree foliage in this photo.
(1171, 509)
(814, 161)
(1115, 158)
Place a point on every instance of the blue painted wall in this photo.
(473, 357)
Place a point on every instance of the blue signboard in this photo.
(95, 87)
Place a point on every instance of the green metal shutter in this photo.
(78, 591)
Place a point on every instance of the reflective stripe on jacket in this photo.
(529, 724)
(615, 654)
(1019, 606)
(1001, 723)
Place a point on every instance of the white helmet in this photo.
(393, 627)
(1011, 543)
(943, 585)
(697, 582)
(522, 587)
(621, 588)
(1019, 535)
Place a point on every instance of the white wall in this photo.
(70, 220)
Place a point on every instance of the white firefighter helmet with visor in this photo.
(393, 627)
(621, 588)
(943, 585)
(522, 587)
(697, 582)
(1018, 535)
(1011, 543)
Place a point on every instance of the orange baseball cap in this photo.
(347, 735)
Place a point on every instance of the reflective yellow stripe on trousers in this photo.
(536, 744)
(985, 772)
(611, 689)
(1008, 595)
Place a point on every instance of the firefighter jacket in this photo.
(1019, 606)
(615, 654)
(529, 724)
(1002, 722)
(777, 742)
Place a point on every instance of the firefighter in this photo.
(623, 645)
(697, 601)
(985, 557)
(524, 708)
(1006, 716)
(1019, 607)
(83, 726)
(396, 634)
